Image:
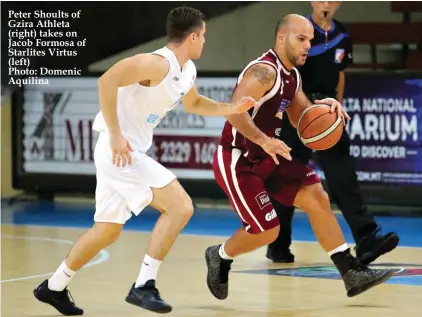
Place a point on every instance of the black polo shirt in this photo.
(330, 53)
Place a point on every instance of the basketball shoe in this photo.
(59, 300)
(369, 248)
(148, 297)
(357, 278)
(218, 272)
(284, 256)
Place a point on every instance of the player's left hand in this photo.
(243, 105)
(335, 106)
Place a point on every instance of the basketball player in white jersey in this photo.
(135, 95)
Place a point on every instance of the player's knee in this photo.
(183, 208)
(187, 208)
(312, 196)
(272, 234)
(324, 199)
(320, 195)
(107, 233)
(268, 236)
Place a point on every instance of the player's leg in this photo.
(176, 208)
(111, 213)
(253, 206)
(279, 250)
(293, 183)
(345, 190)
(357, 278)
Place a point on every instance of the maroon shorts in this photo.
(250, 186)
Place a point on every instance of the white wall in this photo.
(235, 38)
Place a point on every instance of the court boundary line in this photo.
(103, 256)
(182, 234)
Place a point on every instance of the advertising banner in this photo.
(385, 130)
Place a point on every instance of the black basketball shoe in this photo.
(59, 300)
(218, 272)
(148, 297)
(374, 245)
(280, 257)
(359, 278)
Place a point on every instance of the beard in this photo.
(291, 55)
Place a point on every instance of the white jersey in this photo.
(140, 109)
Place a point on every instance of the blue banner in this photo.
(385, 128)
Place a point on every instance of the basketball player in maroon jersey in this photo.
(247, 168)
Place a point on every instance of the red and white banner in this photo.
(58, 135)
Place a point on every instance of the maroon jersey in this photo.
(267, 116)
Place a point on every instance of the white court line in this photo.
(104, 255)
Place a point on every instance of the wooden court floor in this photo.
(30, 254)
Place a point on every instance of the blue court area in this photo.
(207, 222)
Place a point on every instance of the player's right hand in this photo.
(120, 150)
(275, 146)
(243, 105)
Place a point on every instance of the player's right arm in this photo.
(256, 82)
(130, 70)
(138, 68)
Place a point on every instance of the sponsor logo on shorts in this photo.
(263, 200)
(271, 215)
(310, 174)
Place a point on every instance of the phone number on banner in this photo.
(185, 152)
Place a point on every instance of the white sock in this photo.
(223, 253)
(61, 278)
(341, 248)
(149, 270)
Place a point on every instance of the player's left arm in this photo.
(199, 104)
(300, 102)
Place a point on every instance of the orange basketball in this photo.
(318, 128)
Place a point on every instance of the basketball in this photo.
(318, 128)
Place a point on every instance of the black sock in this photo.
(343, 261)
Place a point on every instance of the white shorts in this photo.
(123, 190)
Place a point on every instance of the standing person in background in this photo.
(323, 77)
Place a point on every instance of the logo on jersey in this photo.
(175, 78)
(277, 132)
(339, 55)
(152, 118)
(283, 106)
(263, 200)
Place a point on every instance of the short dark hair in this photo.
(280, 24)
(182, 21)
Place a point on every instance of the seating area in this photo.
(405, 33)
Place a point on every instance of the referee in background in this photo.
(323, 77)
